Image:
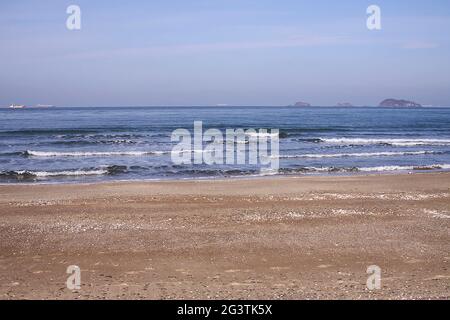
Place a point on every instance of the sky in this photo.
(236, 52)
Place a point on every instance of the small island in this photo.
(344, 104)
(399, 103)
(302, 104)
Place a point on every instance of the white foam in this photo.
(48, 154)
(262, 134)
(64, 173)
(393, 142)
(405, 168)
(363, 154)
(93, 154)
(379, 168)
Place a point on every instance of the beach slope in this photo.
(274, 238)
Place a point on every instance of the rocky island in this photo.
(302, 104)
(399, 103)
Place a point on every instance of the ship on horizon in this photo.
(17, 106)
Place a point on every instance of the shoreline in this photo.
(231, 178)
(271, 238)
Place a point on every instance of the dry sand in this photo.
(276, 238)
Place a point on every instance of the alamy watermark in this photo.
(74, 280)
(374, 19)
(234, 147)
(73, 21)
(374, 280)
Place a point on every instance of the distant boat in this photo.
(16, 106)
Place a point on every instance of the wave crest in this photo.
(392, 142)
(361, 154)
(32, 174)
(91, 154)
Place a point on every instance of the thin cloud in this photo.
(420, 45)
(297, 41)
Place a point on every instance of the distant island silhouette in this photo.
(399, 103)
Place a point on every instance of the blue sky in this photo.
(237, 52)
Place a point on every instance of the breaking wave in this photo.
(92, 154)
(391, 142)
(262, 134)
(363, 169)
(31, 174)
(406, 168)
(361, 154)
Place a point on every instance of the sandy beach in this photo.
(274, 238)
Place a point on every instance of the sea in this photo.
(92, 144)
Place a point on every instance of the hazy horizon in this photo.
(238, 53)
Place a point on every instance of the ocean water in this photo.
(133, 143)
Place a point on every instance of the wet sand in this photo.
(274, 238)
